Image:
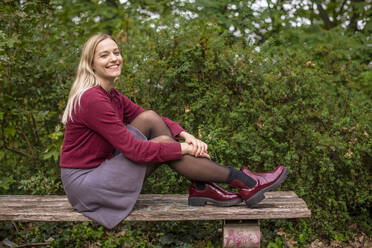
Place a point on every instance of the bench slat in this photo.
(155, 207)
(65, 204)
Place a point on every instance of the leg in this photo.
(200, 169)
(150, 168)
(154, 128)
(251, 188)
(195, 169)
(151, 125)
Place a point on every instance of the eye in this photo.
(117, 53)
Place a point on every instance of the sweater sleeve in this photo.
(131, 110)
(173, 126)
(97, 113)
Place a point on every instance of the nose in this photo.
(113, 57)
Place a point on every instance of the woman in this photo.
(111, 144)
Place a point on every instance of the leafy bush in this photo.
(291, 106)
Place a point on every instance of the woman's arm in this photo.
(195, 147)
(97, 113)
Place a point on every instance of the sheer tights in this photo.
(194, 169)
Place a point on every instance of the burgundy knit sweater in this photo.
(98, 127)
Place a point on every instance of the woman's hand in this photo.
(189, 149)
(199, 148)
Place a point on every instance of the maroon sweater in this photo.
(98, 127)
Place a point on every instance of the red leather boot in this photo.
(214, 194)
(265, 182)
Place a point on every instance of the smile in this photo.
(113, 66)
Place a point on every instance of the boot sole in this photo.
(202, 201)
(259, 196)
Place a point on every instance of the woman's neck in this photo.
(107, 85)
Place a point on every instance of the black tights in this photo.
(194, 169)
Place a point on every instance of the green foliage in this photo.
(283, 106)
(278, 243)
(304, 101)
(40, 184)
(139, 234)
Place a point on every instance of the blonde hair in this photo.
(85, 76)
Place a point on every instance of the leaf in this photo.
(10, 131)
(5, 182)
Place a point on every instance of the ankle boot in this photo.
(214, 194)
(264, 182)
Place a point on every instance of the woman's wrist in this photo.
(184, 134)
(186, 148)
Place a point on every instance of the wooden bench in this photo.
(241, 227)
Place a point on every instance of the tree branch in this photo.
(33, 244)
(353, 25)
(323, 14)
(18, 152)
(342, 7)
(30, 147)
(35, 131)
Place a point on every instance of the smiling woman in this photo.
(111, 145)
(107, 63)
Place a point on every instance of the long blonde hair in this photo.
(85, 76)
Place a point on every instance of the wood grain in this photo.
(154, 207)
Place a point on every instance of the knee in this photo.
(148, 115)
(163, 138)
(144, 117)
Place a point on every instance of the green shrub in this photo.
(287, 106)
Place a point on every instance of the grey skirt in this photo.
(107, 193)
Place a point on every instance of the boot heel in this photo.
(197, 201)
(255, 199)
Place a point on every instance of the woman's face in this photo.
(107, 61)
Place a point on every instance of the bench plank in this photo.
(155, 207)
